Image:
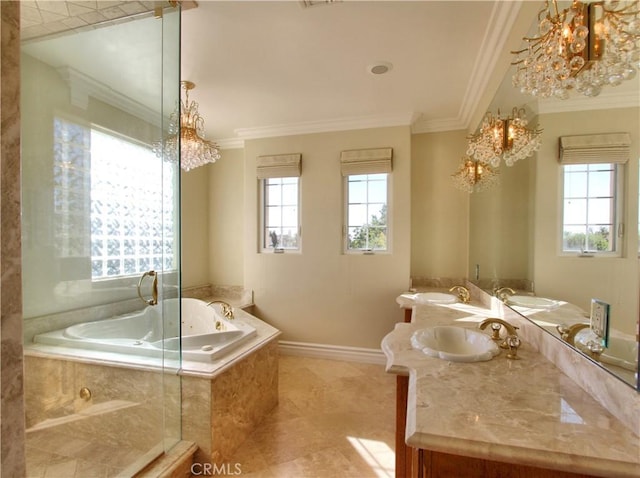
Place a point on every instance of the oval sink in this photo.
(532, 302)
(455, 344)
(435, 298)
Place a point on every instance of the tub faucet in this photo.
(511, 342)
(568, 333)
(227, 310)
(503, 293)
(462, 292)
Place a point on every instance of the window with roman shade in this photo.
(366, 177)
(593, 171)
(279, 177)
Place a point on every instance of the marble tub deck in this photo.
(522, 411)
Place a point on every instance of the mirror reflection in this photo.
(560, 234)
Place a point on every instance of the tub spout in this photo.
(227, 310)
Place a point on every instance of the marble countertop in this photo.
(522, 411)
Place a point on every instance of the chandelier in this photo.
(474, 175)
(186, 131)
(504, 138)
(584, 47)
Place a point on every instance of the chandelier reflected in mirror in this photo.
(504, 138)
(474, 175)
(583, 48)
(186, 131)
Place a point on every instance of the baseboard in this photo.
(332, 352)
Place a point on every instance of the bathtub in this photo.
(206, 334)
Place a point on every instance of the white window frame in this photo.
(345, 229)
(263, 247)
(618, 211)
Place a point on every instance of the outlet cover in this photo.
(600, 320)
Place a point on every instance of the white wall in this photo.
(577, 280)
(439, 211)
(322, 295)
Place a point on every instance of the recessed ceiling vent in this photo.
(379, 68)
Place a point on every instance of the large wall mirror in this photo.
(516, 227)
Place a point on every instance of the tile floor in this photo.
(335, 419)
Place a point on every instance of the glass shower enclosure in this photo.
(100, 240)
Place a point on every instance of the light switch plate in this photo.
(600, 320)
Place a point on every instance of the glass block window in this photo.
(280, 213)
(123, 192)
(590, 207)
(366, 217)
(72, 188)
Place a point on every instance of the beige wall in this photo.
(194, 226)
(577, 280)
(322, 295)
(439, 211)
(500, 225)
(226, 219)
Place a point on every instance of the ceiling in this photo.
(274, 68)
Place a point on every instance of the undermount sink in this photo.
(435, 298)
(532, 302)
(455, 344)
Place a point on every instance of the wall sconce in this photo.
(474, 175)
(504, 138)
(583, 47)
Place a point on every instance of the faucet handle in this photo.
(463, 293)
(513, 342)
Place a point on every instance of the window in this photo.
(366, 218)
(280, 198)
(122, 192)
(591, 207)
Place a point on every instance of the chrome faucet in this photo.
(510, 342)
(227, 310)
(568, 333)
(503, 293)
(462, 292)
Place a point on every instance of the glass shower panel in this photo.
(100, 209)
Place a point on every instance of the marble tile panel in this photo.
(12, 445)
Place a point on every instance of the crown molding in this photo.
(230, 143)
(503, 17)
(324, 126)
(82, 87)
(609, 100)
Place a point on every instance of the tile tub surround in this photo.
(235, 295)
(219, 414)
(523, 411)
(65, 432)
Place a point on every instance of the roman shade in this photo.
(279, 166)
(595, 148)
(366, 161)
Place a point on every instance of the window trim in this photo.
(619, 210)
(345, 220)
(262, 249)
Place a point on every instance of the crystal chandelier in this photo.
(584, 47)
(504, 138)
(186, 129)
(474, 175)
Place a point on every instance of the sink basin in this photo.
(435, 298)
(532, 302)
(455, 344)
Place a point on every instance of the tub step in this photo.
(176, 463)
